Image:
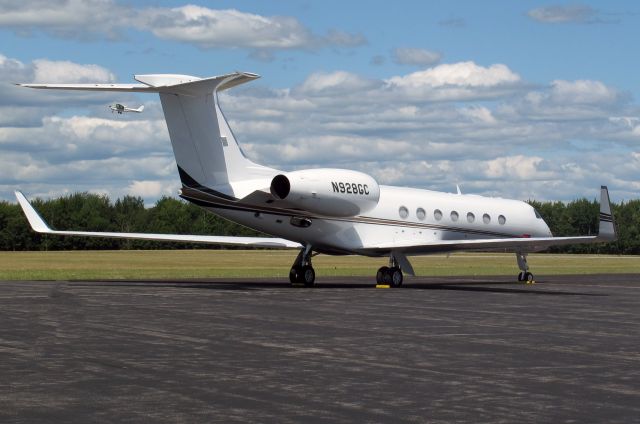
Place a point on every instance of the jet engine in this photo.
(328, 192)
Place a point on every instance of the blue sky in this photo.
(519, 99)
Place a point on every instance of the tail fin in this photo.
(205, 148)
(140, 109)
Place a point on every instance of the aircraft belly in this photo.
(336, 234)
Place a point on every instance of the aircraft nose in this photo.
(547, 230)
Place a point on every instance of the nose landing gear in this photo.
(524, 275)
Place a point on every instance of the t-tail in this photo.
(206, 150)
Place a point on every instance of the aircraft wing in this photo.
(40, 226)
(606, 233)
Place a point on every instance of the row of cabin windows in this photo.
(421, 214)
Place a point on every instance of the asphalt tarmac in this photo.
(566, 349)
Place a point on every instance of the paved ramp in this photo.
(437, 350)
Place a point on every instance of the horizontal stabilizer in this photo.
(40, 226)
(161, 83)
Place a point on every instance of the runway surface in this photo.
(566, 349)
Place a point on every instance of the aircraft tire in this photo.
(395, 277)
(521, 276)
(380, 275)
(528, 277)
(294, 275)
(307, 276)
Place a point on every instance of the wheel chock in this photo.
(383, 286)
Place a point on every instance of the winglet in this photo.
(607, 225)
(35, 220)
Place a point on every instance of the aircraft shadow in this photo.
(486, 286)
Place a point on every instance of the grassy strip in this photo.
(238, 263)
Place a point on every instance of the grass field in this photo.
(151, 264)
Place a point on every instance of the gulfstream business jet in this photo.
(329, 211)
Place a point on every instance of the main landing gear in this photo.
(390, 275)
(524, 275)
(302, 272)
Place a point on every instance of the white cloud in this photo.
(582, 91)
(198, 25)
(519, 166)
(414, 56)
(70, 18)
(47, 71)
(479, 114)
(562, 14)
(223, 28)
(147, 189)
(334, 83)
(461, 74)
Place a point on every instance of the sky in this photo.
(516, 99)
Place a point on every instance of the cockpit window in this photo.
(537, 214)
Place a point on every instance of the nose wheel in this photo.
(524, 275)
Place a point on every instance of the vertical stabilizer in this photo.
(206, 150)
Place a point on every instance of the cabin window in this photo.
(454, 216)
(501, 219)
(486, 218)
(471, 217)
(437, 214)
(421, 214)
(404, 212)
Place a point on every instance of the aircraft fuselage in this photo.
(402, 214)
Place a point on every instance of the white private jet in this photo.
(117, 107)
(330, 211)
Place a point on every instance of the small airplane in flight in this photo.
(328, 211)
(117, 107)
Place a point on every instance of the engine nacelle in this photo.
(329, 192)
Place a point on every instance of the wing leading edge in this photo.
(40, 226)
(606, 233)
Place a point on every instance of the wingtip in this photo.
(606, 226)
(35, 220)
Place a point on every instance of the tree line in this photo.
(92, 212)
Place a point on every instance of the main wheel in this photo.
(294, 274)
(395, 275)
(380, 274)
(521, 276)
(307, 276)
(528, 277)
